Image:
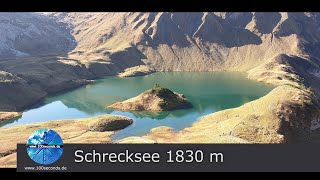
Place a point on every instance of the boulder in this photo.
(110, 124)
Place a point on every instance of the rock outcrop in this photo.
(88, 130)
(155, 99)
(115, 123)
(8, 115)
(141, 70)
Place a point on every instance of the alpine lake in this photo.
(208, 92)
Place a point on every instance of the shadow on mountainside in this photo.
(33, 78)
(32, 34)
(181, 29)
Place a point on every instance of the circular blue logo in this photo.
(44, 146)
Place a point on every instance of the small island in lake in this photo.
(155, 99)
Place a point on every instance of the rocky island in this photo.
(155, 99)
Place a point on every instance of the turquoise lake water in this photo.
(207, 91)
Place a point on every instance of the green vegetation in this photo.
(162, 92)
(163, 104)
(156, 86)
(155, 99)
(170, 99)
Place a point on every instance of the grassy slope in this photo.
(136, 71)
(287, 114)
(71, 131)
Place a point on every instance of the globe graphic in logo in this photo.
(45, 146)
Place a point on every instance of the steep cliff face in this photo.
(32, 34)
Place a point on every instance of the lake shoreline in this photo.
(65, 90)
(5, 116)
(226, 90)
(87, 130)
(90, 81)
(295, 89)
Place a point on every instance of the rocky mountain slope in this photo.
(68, 49)
(32, 34)
(195, 41)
